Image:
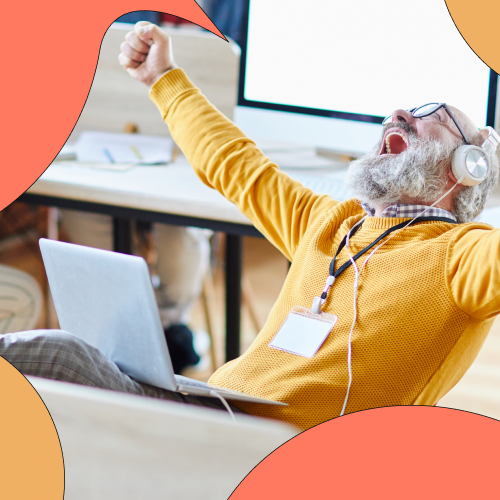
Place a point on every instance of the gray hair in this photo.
(418, 173)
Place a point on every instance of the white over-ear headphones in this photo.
(470, 163)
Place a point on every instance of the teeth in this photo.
(387, 146)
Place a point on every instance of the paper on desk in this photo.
(131, 149)
(119, 167)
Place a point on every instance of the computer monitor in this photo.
(326, 73)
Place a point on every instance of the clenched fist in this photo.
(146, 53)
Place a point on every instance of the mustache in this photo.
(409, 129)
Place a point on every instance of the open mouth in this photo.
(395, 142)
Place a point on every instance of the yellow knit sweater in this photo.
(426, 301)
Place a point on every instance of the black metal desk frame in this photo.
(122, 225)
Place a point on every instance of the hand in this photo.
(147, 53)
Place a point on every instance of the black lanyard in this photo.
(344, 266)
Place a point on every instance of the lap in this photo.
(59, 355)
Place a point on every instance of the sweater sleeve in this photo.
(226, 160)
(473, 271)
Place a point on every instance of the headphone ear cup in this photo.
(470, 162)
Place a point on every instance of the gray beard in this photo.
(419, 174)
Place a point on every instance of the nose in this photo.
(402, 115)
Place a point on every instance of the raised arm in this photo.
(222, 156)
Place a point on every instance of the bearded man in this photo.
(425, 291)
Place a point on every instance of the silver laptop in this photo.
(107, 299)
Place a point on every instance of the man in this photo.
(426, 298)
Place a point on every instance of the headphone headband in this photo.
(491, 143)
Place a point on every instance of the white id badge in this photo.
(303, 332)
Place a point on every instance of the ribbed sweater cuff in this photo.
(168, 88)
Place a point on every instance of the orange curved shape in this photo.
(478, 23)
(406, 452)
(50, 55)
(31, 460)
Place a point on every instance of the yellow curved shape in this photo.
(479, 24)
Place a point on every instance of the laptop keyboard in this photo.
(203, 385)
(190, 382)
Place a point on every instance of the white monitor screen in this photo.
(366, 57)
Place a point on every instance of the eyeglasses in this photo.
(429, 109)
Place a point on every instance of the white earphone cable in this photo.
(356, 284)
(224, 402)
(349, 346)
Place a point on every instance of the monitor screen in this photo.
(357, 61)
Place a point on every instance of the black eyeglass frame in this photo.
(414, 111)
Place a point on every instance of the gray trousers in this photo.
(59, 355)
